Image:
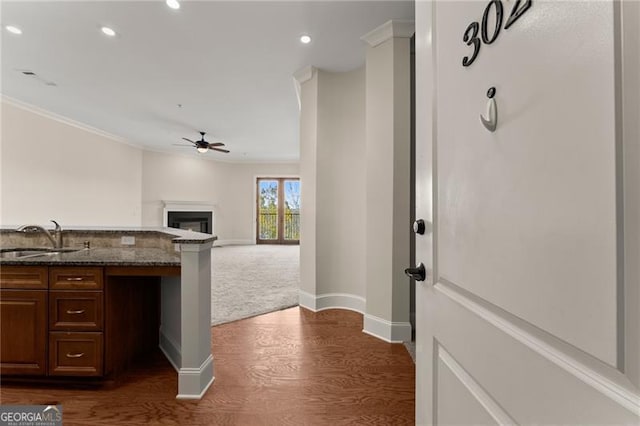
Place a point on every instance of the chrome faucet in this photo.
(57, 241)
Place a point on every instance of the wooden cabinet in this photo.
(23, 332)
(51, 321)
(23, 320)
(76, 321)
(68, 321)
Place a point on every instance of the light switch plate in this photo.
(128, 241)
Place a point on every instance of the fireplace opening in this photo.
(191, 221)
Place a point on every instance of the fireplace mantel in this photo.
(188, 206)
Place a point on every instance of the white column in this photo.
(195, 373)
(307, 88)
(388, 162)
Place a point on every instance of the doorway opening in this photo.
(278, 211)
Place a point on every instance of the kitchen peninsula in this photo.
(87, 308)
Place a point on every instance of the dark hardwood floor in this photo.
(291, 367)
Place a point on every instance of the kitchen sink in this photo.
(19, 253)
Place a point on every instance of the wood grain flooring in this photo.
(292, 367)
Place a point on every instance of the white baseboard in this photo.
(170, 349)
(392, 332)
(220, 243)
(307, 300)
(193, 383)
(331, 301)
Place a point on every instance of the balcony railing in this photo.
(268, 226)
(292, 226)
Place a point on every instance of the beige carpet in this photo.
(253, 280)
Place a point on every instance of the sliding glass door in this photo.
(278, 211)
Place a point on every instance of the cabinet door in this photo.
(23, 332)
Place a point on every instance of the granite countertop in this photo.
(180, 236)
(101, 257)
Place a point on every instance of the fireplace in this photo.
(189, 215)
(192, 221)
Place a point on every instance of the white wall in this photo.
(340, 202)
(54, 170)
(332, 169)
(230, 187)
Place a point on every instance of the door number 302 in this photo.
(471, 33)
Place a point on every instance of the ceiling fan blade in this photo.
(221, 150)
(189, 140)
(182, 144)
(211, 145)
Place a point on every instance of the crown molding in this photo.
(300, 77)
(65, 120)
(388, 30)
(204, 157)
(305, 74)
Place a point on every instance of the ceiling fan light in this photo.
(202, 149)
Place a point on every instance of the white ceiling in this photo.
(230, 65)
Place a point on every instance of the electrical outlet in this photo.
(128, 241)
(176, 247)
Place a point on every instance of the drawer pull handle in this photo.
(80, 355)
(74, 279)
(72, 312)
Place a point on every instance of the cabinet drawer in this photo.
(71, 278)
(23, 277)
(75, 310)
(75, 354)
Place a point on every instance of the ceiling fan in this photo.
(203, 146)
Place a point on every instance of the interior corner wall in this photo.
(51, 169)
(341, 187)
(229, 187)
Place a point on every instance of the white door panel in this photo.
(520, 319)
(531, 386)
(457, 405)
(528, 212)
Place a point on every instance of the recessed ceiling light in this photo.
(13, 30)
(108, 31)
(173, 4)
(305, 39)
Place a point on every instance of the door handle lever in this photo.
(418, 273)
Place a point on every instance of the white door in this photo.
(526, 316)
